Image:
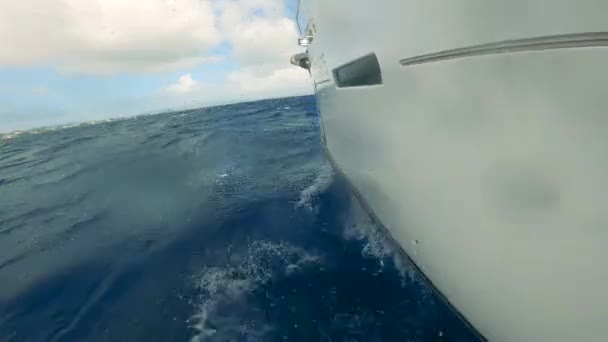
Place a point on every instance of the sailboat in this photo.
(476, 132)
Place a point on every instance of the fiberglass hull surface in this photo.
(489, 169)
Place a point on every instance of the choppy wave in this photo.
(227, 288)
(53, 128)
(323, 180)
(217, 224)
(377, 244)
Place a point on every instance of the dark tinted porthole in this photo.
(364, 71)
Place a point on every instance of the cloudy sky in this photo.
(79, 60)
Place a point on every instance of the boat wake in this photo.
(223, 313)
(324, 179)
(377, 244)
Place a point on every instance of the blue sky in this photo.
(83, 60)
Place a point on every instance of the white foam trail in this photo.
(11, 135)
(320, 184)
(53, 128)
(359, 226)
(224, 286)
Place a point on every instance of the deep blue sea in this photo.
(215, 224)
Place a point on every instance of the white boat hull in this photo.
(489, 169)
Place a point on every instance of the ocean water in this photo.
(216, 224)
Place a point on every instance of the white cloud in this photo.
(185, 85)
(153, 36)
(285, 81)
(106, 36)
(260, 40)
(240, 85)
